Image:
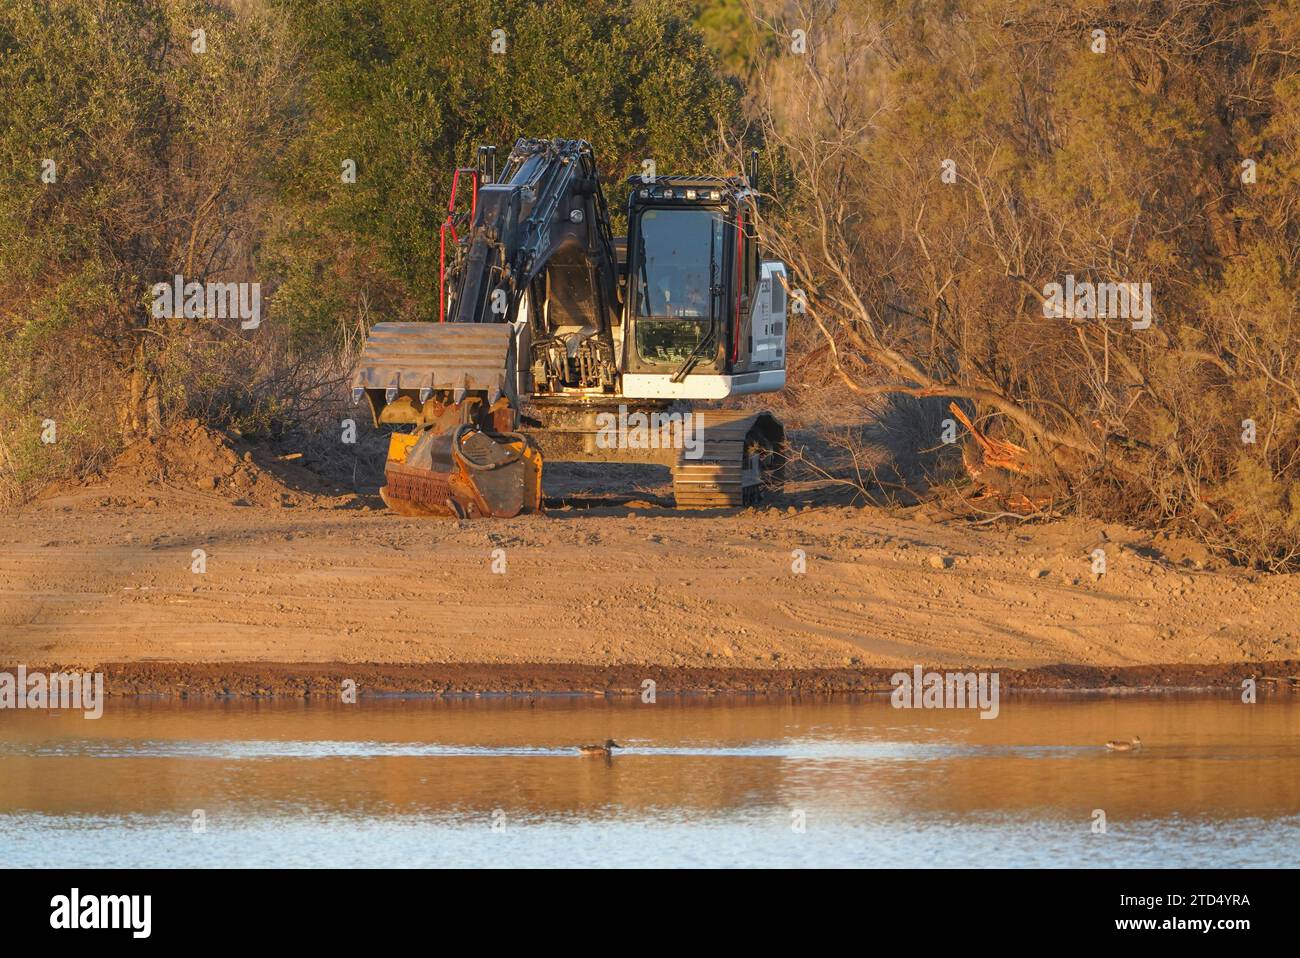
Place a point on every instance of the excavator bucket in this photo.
(453, 383)
(404, 364)
(464, 472)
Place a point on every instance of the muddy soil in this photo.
(329, 679)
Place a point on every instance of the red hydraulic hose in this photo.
(442, 274)
(450, 224)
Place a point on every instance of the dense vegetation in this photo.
(940, 165)
(946, 170)
(228, 157)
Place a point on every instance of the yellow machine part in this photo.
(465, 472)
(399, 444)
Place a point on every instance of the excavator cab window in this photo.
(676, 282)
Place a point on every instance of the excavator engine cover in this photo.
(464, 472)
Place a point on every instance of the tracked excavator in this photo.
(557, 340)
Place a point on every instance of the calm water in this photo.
(498, 782)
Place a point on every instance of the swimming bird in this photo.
(607, 749)
(1120, 745)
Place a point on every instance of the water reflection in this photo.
(701, 780)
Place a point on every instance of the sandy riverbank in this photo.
(593, 597)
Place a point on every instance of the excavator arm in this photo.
(456, 383)
(521, 223)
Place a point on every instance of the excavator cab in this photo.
(545, 307)
(705, 315)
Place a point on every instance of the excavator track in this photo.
(743, 457)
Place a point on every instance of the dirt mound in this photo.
(201, 463)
